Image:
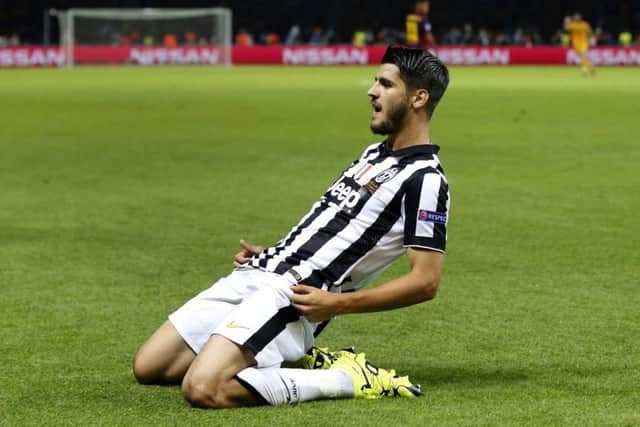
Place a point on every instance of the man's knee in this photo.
(148, 368)
(143, 369)
(203, 394)
(163, 359)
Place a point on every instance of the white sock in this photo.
(278, 386)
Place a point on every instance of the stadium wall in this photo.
(36, 56)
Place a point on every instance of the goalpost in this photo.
(146, 28)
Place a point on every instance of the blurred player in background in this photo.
(580, 35)
(418, 27)
(226, 345)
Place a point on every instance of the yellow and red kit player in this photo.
(418, 28)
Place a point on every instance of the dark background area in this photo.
(344, 17)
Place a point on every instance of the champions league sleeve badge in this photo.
(430, 216)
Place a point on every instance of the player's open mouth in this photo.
(376, 109)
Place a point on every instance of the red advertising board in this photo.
(35, 56)
(30, 57)
(147, 55)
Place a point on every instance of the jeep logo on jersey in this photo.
(386, 175)
(346, 193)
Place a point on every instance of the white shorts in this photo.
(252, 308)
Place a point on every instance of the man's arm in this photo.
(419, 285)
(431, 40)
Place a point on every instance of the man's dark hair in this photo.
(419, 69)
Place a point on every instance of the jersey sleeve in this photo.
(425, 211)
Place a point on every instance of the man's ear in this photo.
(419, 99)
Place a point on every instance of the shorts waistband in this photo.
(291, 275)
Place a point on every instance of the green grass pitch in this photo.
(125, 192)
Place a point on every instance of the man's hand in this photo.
(248, 250)
(315, 304)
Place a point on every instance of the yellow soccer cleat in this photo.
(371, 382)
(319, 358)
(402, 387)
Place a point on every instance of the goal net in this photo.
(177, 35)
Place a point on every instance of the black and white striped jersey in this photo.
(383, 203)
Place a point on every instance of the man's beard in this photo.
(394, 121)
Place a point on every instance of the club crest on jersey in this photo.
(386, 175)
(430, 216)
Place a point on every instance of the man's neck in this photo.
(410, 135)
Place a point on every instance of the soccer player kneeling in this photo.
(226, 345)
